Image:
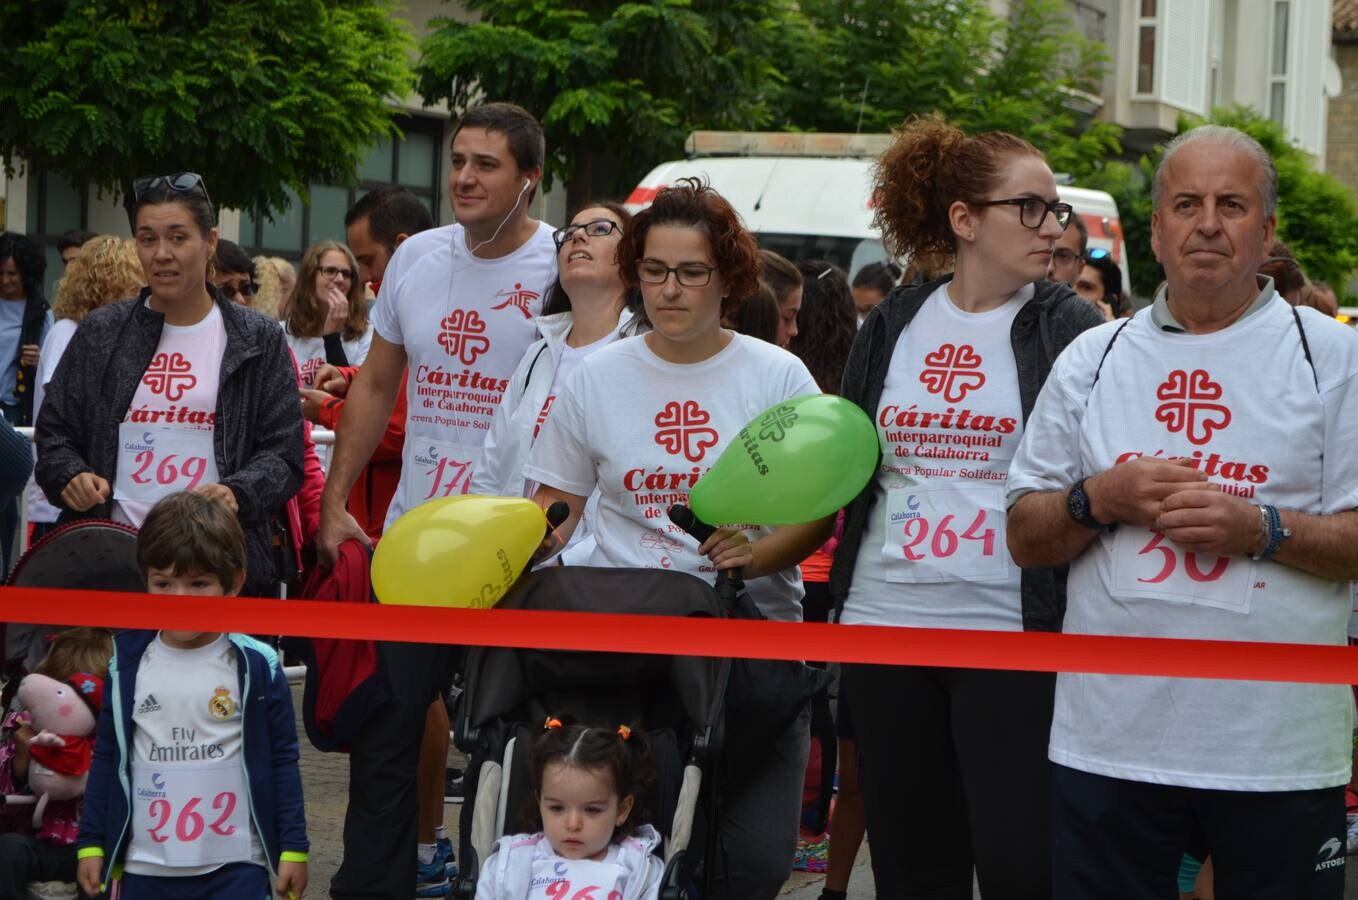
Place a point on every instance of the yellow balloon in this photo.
(462, 551)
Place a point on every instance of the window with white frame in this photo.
(1278, 63)
(1146, 25)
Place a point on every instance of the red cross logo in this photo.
(517, 298)
(681, 429)
(309, 370)
(952, 370)
(169, 374)
(542, 414)
(462, 334)
(1187, 405)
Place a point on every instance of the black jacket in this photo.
(31, 332)
(258, 437)
(1041, 330)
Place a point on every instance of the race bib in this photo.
(1148, 564)
(435, 469)
(156, 460)
(947, 532)
(190, 815)
(576, 879)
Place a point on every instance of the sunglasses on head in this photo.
(179, 183)
(1097, 253)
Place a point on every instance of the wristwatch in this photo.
(1077, 505)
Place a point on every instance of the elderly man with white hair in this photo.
(1194, 465)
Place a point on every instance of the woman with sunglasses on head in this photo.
(640, 421)
(176, 389)
(954, 761)
(327, 320)
(587, 308)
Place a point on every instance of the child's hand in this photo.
(291, 880)
(87, 875)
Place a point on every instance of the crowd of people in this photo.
(1050, 459)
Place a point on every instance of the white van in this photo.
(809, 196)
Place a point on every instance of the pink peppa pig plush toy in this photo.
(63, 713)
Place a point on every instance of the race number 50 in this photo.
(1170, 563)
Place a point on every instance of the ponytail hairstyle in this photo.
(623, 752)
(929, 166)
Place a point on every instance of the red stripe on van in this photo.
(642, 195)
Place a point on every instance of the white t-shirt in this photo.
(310, 353)
(933, 554)
(464, 322)
(53, 348)
(643, 431)
(187, 734)
(581, 877)
(1243, 402)
(165, 443)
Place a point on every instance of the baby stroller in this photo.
(678, 700)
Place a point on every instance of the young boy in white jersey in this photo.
(195, 789)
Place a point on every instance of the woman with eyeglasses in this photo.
(176, 389)
(587, 308)
(640, 421)
(327, 319)
(954, 761)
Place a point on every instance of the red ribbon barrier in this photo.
(668, 635)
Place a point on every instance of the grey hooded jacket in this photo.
(1041, 330)
(258, 436)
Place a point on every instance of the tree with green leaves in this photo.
(617, 86)
(256, 95)
(1316, 213)
(865, 65)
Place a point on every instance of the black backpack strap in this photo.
(1111, 342)
(1306, 348)
(334, 349)
(532, 365)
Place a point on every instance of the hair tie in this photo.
(624, 732)
(552, 722)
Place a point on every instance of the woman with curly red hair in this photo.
(641, 420)
(954, 761)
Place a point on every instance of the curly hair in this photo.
(694, 204)
(107, 270)
(269, 293)
(624, 753)
(930, 165)
(28, 259)
(827, 323)
(306, 316)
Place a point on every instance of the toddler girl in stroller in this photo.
(587, 783)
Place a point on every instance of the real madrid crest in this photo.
(221, 706)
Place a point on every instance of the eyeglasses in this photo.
(653, 271)
(1033, 210)
(1064, 255)
(179, 183)
(332, 273)
(595, 228)
(246, 289)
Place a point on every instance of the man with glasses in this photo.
(457, 305)
(1193, 465)
(1069, 251)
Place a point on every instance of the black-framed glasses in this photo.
(333, 272)
(1033, 210)
(653, 271)
(246, 289)
(178, 183)
(595, 228)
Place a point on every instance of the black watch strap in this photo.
(1078, 507)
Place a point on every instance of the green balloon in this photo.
(798, 461)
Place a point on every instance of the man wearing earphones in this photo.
(457, 305)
